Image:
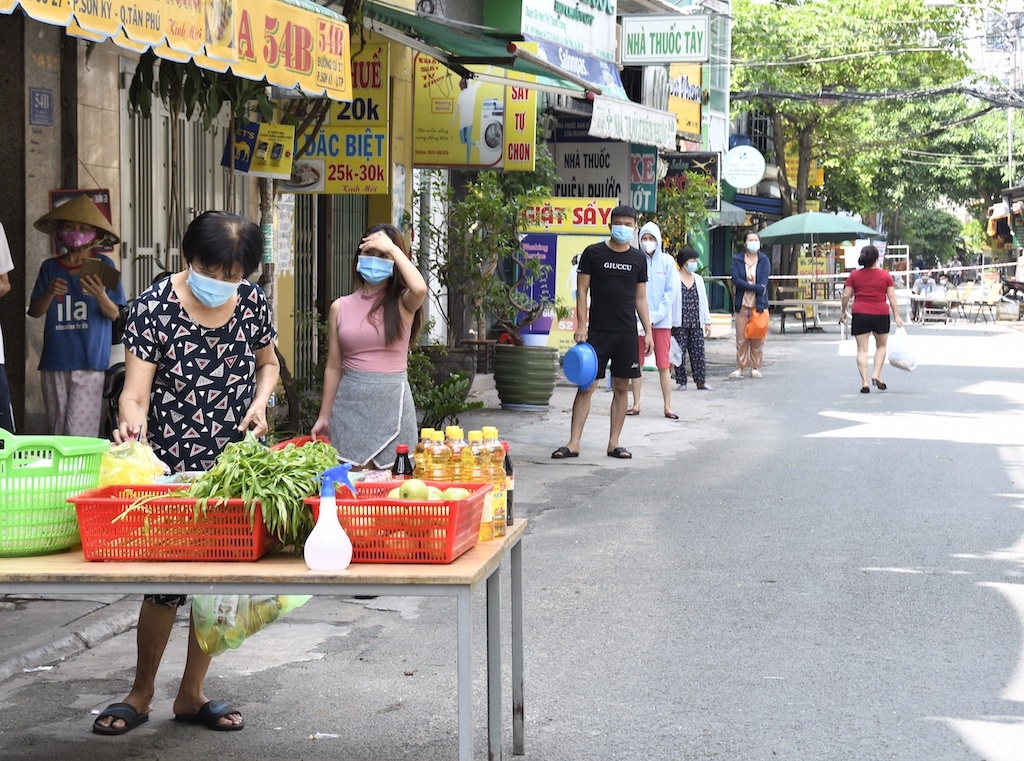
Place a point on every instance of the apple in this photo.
(434, 494)
(394, 493)
(455, 493)
(413, 490)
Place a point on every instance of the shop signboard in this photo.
(590, 167)
(815, 175)
(707, 164)
(661, 39)
(349, 155)
(643, 178)
(584, 25)
(685, 96)
(471, 123)
(632, 123)
(290, 45)
(558, 229)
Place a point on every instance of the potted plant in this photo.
(488, 277)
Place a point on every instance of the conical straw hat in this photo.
(78, 209)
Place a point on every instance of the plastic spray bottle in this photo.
(328, 547)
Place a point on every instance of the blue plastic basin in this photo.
(580, 365)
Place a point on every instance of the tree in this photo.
(844, 88)
(929, 233)
(683, 212)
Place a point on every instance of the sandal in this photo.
(620, 453)
(632, 412)
(562, 453)
(123, 711)
(210, 715)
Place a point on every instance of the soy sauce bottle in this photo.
(402, 469)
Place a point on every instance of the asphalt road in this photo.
(792, 571)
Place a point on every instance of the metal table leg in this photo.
(494, 726)
(465, 656)
(518, 710)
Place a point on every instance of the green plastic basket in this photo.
(37, 476)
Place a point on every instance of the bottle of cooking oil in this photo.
(456, 443)
(440, 464)
(496, 475)
(419, 454)
(475, 469)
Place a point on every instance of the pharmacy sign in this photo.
(664, 39)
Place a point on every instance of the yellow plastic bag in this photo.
(131, 462)
(224, 621)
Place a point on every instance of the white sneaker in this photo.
(736, 374)
(755, 373)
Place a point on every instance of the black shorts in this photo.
(869, 323)
(619, 346)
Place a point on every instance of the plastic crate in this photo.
(386, 530)
(164, 527)
(37, 475)
(297, 441)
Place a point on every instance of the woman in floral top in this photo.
(199, 370)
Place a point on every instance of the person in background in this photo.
(6, 266)
(874, 295)
(611, 291)
(200, 367)
(80, 312)
(366, 409)
(694, 320)
(750, 271)
(662, 300)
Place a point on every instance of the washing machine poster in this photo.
(461, 123)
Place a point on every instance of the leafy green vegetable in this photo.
(278, 480)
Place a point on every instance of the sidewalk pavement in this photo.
(40, 630)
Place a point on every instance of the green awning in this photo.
(458, 45)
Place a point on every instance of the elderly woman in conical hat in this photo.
(79, 311)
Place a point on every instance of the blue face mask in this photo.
(375, 270)
(209, 290)
(692, 266)
(622, 233)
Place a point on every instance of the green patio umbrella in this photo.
(816, 227)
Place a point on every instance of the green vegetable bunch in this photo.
(277, 480)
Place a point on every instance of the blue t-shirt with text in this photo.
(77, 336)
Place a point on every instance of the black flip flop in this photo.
(632, 412)
(125, 713)
(210, 715)
(620, 453)
(562, 453)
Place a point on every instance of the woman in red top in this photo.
(874, 297)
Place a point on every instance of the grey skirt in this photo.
(372, 414)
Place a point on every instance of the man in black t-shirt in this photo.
(614, 275)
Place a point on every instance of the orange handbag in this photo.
(757, 327)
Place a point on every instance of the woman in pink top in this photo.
(367, 408)
(874, 296)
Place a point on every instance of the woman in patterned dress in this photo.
(199, 370)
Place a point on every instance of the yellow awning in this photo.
(296, 44)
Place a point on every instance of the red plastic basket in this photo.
(297, 441)
(164, 527)
(386, 530)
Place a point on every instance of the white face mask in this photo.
(649, 246)
(753, 246)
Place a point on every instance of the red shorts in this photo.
(662, 343)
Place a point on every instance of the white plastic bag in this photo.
(901, 352)
(675, 353)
